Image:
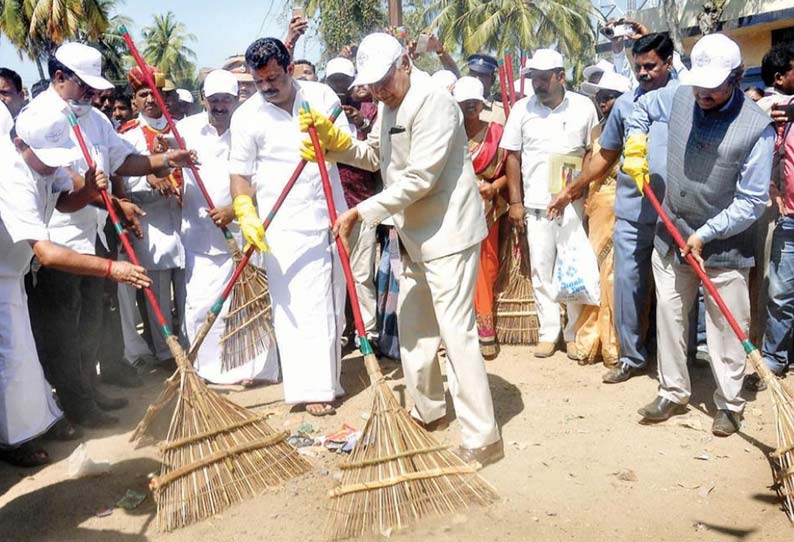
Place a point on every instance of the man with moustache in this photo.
(208, 260)
(306, 283)
(635, 218)
(719, 163)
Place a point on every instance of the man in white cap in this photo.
(719, 162)
(358, 184)
(306, 283)
(185, 103)
(208, 260)
(33, 185)
(430, 192)
(541, 129)
(66, 309)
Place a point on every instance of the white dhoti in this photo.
(206, 276)
(307, 288)
(27, 408)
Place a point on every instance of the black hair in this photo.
(778, 59)
(657, 42)
(12, 76)
(121, 96)
(263, 50)
(54, 65)
(39, 87)
(306, 62)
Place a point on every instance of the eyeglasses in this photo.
(375, 87)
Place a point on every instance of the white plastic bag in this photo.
(79, 464)
(576, 277)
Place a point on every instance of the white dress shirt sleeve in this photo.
(243, 154)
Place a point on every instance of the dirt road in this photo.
(578, 466)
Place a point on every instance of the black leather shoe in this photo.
(96, 419)
(109, 403)
(122, 376)
(621, 373)
(726, 423)
(660, 409)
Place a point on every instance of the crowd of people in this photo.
(427, 172)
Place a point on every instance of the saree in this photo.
(596, 335)
(488, 161)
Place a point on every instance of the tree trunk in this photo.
(670, 11)
(41, 70)
(395, 13)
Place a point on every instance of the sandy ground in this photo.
(578, 466)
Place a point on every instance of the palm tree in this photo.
(110, 43)
(37, 27)
(165, 46)
(343, 22)
(504, 26)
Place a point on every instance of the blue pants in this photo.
(780, 307)
(633, 248)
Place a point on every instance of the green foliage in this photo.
(165, 45)
(344, 22)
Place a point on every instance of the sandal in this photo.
(25, 456)
(326, 409)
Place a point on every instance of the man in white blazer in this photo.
(430, 192)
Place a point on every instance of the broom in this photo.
(217, 453)
(249, 328)
(782, 400)
(502, 83)
(516, 315)
(396, 472)
(171, 384)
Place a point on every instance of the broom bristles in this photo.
(217, 454)
(516, 318)
(397, 473)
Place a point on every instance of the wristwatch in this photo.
(365, 124)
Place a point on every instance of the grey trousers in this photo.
(676, 292)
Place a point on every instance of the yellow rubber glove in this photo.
(635, 159)
(307, 150)
(331, 138)
(249, 221)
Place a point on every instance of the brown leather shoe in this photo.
(436, 425)
(572, 352)
(545, 349)
(482, 456)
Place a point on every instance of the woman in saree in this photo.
(488, 161)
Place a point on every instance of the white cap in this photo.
(376, 55)
(184, 95)
(609, 81)
(713, 59)
(468, 88)
(340, 66)
(85, 62)
(444, 79)
(47, 132)
(544, 60)
(220, 82)
(599, 67)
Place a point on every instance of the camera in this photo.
(617, 31)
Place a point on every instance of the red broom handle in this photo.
(122, 233)
(270, 216)
(679, 240)
(521, 72)
(511, 80)
(343, 255)
(158, 97)
(502, 83)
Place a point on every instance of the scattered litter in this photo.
(688, 486)
(80, 465)
(706, 490)
(305, 428)
(131, 500)
(626, 475)
(551, 514)
(300, 440)
(747, 450)
(703, 457)
(343, 440)
(699, 526)
(311, 451)
(104, 512)
(691, 423)
(364, 416)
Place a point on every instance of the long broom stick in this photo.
(522, 74)
(502, 83)
(781, 397)
(510, 79)
(171, 340)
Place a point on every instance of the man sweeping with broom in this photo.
(719, 161)
(420, 145)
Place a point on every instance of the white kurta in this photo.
(306, 283)
(27, 408)
(208, 260)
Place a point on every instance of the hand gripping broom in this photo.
(397, 472)
(170, 388)
(782, 400)
(217, 453)
(249, 330)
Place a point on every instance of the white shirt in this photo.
(79, 230)
(199, 232)
(539, 132)
(266, 142)
(161, 247)
(27, 201)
